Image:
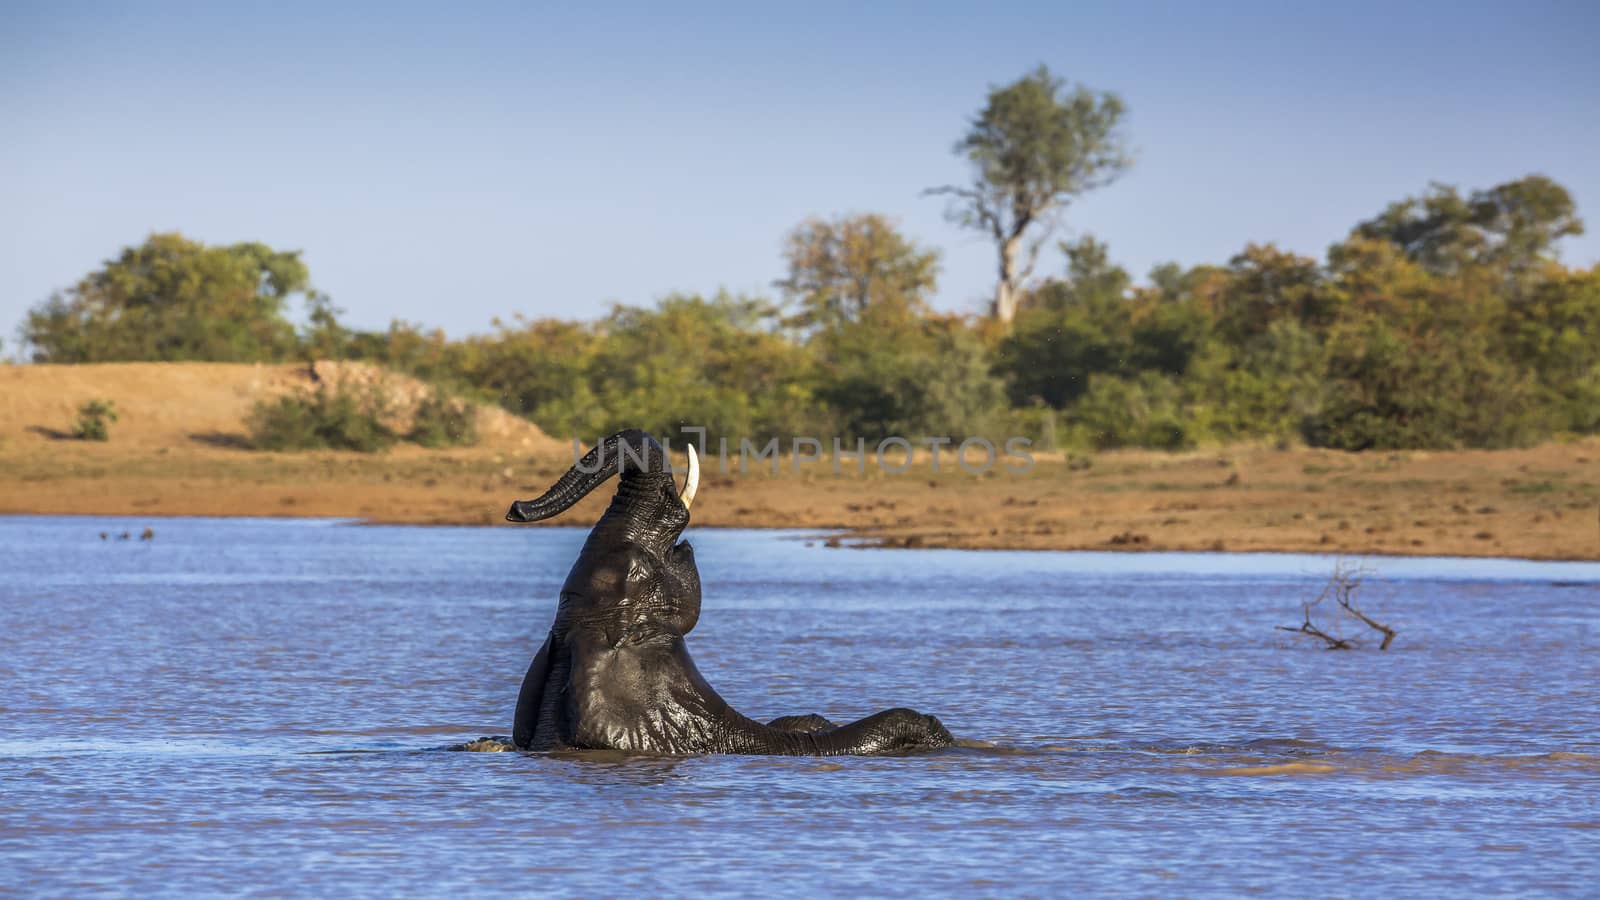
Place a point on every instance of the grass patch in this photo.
(347, 417)
(444, 421)
(94, 420)
(322, 419)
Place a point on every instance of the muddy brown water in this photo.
(247, 706)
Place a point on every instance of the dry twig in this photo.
(1341, 588)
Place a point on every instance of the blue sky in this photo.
(447, 166)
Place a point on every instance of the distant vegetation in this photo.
(1444, 320)
(94, 421)
(324, 418)
(441, 420)
(349, 416)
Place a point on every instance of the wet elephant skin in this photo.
(615, 672)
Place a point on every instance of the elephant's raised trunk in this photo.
(632, 453)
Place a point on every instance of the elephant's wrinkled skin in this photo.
(615, 673)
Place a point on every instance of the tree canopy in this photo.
(1445, 320)
(1514, 226)
(1033, 147)
(172, 298)
(855, 268)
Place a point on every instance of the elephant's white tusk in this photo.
(692, 483)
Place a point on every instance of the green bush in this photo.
(1266, 387)
(1146, 411)
(94, 419)
(715, 363)
(322, 419)
(172, 298)
(1392, 390)
(1446, 321)
(929, 380)
(444, 421)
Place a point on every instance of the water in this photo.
(258, 706)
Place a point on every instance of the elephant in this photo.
(614, 673)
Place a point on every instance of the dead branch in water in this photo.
(1341, 588)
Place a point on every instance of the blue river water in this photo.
(260, 706)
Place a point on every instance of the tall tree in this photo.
(171, 298)
(855, 268)
(1525, 219)
(1512, 226)
(1033, 148)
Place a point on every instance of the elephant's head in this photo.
(648, 508)
(631, 565)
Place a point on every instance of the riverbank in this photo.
(178, 449)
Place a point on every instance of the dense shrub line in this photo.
(348, 417)
(1446, 320)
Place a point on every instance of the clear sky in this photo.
(448, 166)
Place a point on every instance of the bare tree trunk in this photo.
(1005, 292)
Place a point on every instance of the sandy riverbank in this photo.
(178, 450)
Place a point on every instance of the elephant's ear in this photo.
(530, 699)
(628, 594)
(650, 615)
(682, 590)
